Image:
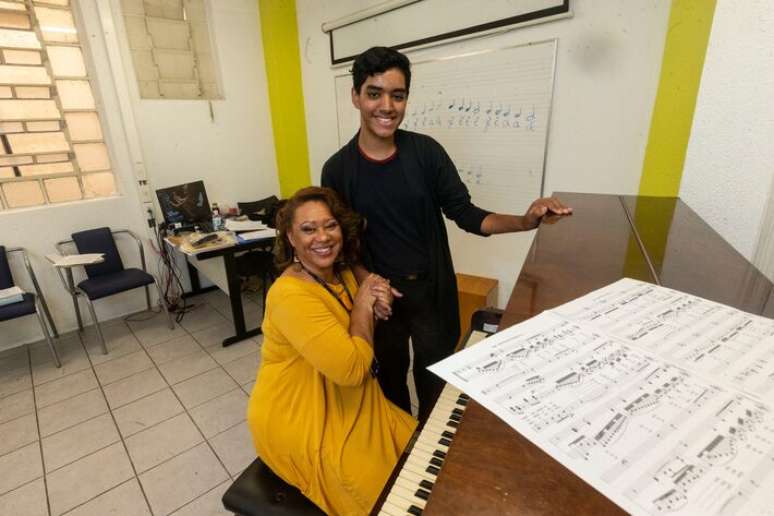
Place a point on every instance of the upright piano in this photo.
(466, 460)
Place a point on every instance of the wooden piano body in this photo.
(491, 469)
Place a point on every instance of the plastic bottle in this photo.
(217, 220)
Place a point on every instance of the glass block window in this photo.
(52, 147)
(171, 50)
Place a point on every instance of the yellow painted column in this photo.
(690, 22)
(286, 95)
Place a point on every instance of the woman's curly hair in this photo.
(349, 221)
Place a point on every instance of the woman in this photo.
(317, 414)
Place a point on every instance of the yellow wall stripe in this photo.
(690, 22)
(286, 95)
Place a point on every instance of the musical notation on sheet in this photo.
(659, 399)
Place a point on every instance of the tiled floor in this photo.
(157, 426)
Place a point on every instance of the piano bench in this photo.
(258, 491)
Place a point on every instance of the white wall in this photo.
(729, 166)
(233, 154)
(608, 66)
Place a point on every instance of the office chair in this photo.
(259, 262)
(263, 210)
(109, 277)
(31, 303)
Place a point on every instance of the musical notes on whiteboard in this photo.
(466, 114)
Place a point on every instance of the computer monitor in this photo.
(185, 204)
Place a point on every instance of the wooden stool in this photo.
(474, 293)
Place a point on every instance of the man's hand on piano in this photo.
(547, 210)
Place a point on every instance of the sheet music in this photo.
(660, 400)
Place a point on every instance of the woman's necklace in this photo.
(330, 291)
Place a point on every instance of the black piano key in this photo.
(462, 402)
(464, 396)
(426, 484)
(416, 511)
(444, 441)
(458, 411)
(433, 470)
(452, 424)
(455, 417)
(447, 434)
(439, 454)
(435, 461)
(421, 493)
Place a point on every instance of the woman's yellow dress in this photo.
(319, 419)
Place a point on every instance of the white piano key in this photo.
(418, 470)
(389, 509)
(414, 488)
(414, 478)
(408, 495)
(430, 449)
(419, 464)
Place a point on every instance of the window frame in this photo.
(91, 78)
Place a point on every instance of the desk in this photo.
(226, 278)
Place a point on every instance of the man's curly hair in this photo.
(349, 221)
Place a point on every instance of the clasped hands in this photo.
(546, 210)
(379, 294)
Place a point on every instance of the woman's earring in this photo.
(295, 258)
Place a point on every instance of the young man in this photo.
(403, 183)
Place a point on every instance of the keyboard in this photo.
(414, 483)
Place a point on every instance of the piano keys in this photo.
(411, 489)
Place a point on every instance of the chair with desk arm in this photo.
(108, 277)
(30, 303)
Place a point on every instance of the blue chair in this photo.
(108, 277)
(31, 303)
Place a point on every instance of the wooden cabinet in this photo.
(474, 292)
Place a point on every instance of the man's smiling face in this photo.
(382, 103)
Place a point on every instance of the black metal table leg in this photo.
(235, 295)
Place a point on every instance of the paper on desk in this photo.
(225, 239)
(72, 260)
(660, 400)
(243, 225)
(255, 235)
(11, 295)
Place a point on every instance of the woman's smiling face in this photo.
(316, 237)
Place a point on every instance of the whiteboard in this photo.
(490, 110)
(431, 21)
